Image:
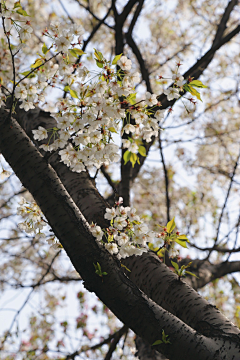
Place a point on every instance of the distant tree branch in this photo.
(87, 8)
(165, 177)
(121, 331)
(115, 341)
(65, 10)
(135, 49)
(126, 11)
(207, 272)
(226, 199)
(195, 71)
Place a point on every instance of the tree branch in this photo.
(166, 179)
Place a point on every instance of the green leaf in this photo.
(76, 52)
(67, 88)
(37, 63)
(183, 237)
(73, 93)
(158, 342)
(190, 273)
(142, 150)
(126, 156)
(164, 338)
(132, 98)
(197, 83)
(183, 243)
(112, 129)
(115, 60)
(22, 12)
(98, 54)
(73, 53)
(192, 91)
(175, 265)
(134, 159)
(99, 63)
(17, 4)
(171, 226)
(25, 73)
(45, 50)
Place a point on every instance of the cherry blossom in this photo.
(40, 134)
(124, 63)
(172, 93)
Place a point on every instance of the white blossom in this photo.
(40, 134)
(172, 93)
(178, 79)
(151, 99)
(120, 222)
(129, 128)
(124, 63)
(21, 92)
(112, 248)
(27, 105)
(110, 213)
(62, 44)
(25, 32)
(97, 232)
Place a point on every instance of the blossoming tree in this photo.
(72, 86)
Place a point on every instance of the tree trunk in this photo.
(216, 338)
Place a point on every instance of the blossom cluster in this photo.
(127, 235)
(85, 124)
(96, 105)
(34, 222)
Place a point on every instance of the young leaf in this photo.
(73, 93)
(132, 98)
(67, 88)
(164, 338)
(183, 237)
(73, 53)
(78, 51)
(45, 50)
(126, 156)
(175, 265)
(133, 159)
(197, 83)
(98, 54)
(183, 243)
(157, 342)
(99, 63)
(192, 91)
(17, 4)
(25, 73)
(171, 226)
(190, 273)
(22, 12)
(37, 63)
(112, 129)
(115, 60)
(142, 150)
